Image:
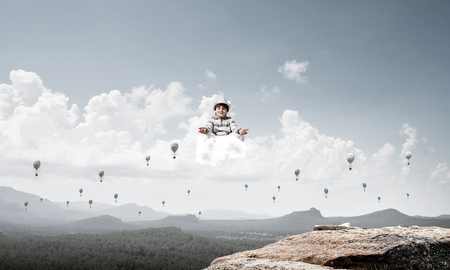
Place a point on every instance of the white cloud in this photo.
(210, 75)
(441, 173)
(267, 94)
(113, 125)
(292, 70)
(201, 87)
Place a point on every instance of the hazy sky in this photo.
(96, 85)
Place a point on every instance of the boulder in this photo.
(346, 247)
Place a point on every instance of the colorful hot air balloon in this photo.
(296, 172)
(81, 191)
(139, 213)
(174, 148)
(36, 166)
(115, 196)
(189, 192)
(147, 157)
(67, 203)
(379, 198)
(279, 187)
(274, 198)
(101, 173)
(407, 195)
(199, 213)
(364, 186)
(26, 204)
(246, 186)
(90, 203)
(326, 192)
(350, 159)
(42, 200)
(163, 202)
(408, 155)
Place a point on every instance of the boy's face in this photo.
(221, 111)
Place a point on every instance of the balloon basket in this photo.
(350, 169)
(115, 200)
(36, 174)
(174, 157)
(100, 180)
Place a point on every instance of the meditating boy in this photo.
(221, 124)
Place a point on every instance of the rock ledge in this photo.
(345, 247)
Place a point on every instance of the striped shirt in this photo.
(221, 126)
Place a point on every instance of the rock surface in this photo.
(345, 247)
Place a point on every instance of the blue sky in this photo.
(362, 72)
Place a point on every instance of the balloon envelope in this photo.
(364, 185)
(25, 203)
(297, 172)
(36, 164)
(147, 157)
(90, 201)
(350, 158)
(408, 154)
(174, 147)
(326, 191)
(101, 173)
(116, 195)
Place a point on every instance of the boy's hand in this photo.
(243, 131)
(202, 130)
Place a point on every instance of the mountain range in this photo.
(53, 218)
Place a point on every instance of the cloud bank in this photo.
(116, 130)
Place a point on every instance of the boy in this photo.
(221, 124)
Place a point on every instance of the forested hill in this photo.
(155, 248)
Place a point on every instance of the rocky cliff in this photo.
(345, 247)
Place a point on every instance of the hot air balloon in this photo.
(408, 155)
(379, 198)
(279, 188)
(36, 166)
(101, 173)
(199, 213)
(26, 204)
(139, 213)
(147, 157)
(326, 192)
(274, 198)
(350, 158)
(246, 186)
(163, 202)
(81, 191)
(296, 172)
(90, 203)
(67, 203)
(364, 186)
(174, 148)
(189, 192)
(115, 196)
(407, 195)
(42, 200)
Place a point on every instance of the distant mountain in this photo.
(83, 206)
(389, 217)
(220, 214)
(129, 212)
(12, 209)
(100, 224)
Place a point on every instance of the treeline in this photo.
(154, 248)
